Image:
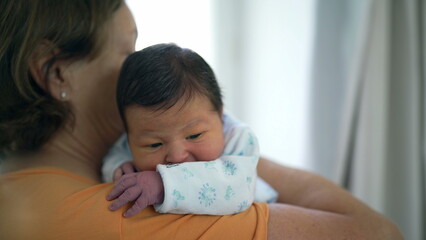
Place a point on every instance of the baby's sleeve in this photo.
(223, 186)
(220, 187)
(240, 140)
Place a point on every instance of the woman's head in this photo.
(52, 53)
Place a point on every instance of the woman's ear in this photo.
(46, 72)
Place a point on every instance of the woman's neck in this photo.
(78, 149)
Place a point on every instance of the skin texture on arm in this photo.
(315, 208)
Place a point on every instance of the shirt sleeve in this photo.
(48, 203)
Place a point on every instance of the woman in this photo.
(58, 117)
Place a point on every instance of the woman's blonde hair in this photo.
(76, 28)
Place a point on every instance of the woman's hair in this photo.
(161, 75)
(76, 29)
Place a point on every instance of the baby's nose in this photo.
(178, 153)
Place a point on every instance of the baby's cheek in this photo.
(144, 164)
(209, 152)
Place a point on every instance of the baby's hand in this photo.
(124, 168)
(145, 188)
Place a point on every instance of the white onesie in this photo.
(219, 187)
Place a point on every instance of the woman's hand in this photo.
(145, 188)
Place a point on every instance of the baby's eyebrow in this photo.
(194, 122)
(147, 133)
(143, 135)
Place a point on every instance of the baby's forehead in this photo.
(193, 113)
(175, 107)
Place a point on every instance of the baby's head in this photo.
(171, 105)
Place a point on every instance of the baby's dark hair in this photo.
(161, 75)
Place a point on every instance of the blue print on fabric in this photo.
(177, 197)
(229, 193)
(187, 173)
(207, 195)
(243, 206)
(251, 139)
(229, 168)
(249, 179)
(210, 165)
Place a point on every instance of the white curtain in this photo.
(262, 62)
(368, 121)
(366, 103)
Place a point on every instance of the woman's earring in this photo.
(63, 95)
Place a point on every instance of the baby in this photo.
(188, 157)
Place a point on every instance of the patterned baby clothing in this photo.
(223, 186)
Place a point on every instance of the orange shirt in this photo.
(50, 203)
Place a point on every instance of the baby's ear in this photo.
(46, 72)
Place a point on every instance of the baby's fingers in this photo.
(128, 196)
(117, 174)
(122, 185)
(128, 167)
(139, 205)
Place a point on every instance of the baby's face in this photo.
(192, 132)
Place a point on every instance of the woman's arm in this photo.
(315, 208)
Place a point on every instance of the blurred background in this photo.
(331, 86)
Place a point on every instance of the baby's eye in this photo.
(155, 145)
(195, 136)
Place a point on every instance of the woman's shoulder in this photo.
(51, 180)
(47, 186)
(42, 173)
(50, 203)
(41, 201)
